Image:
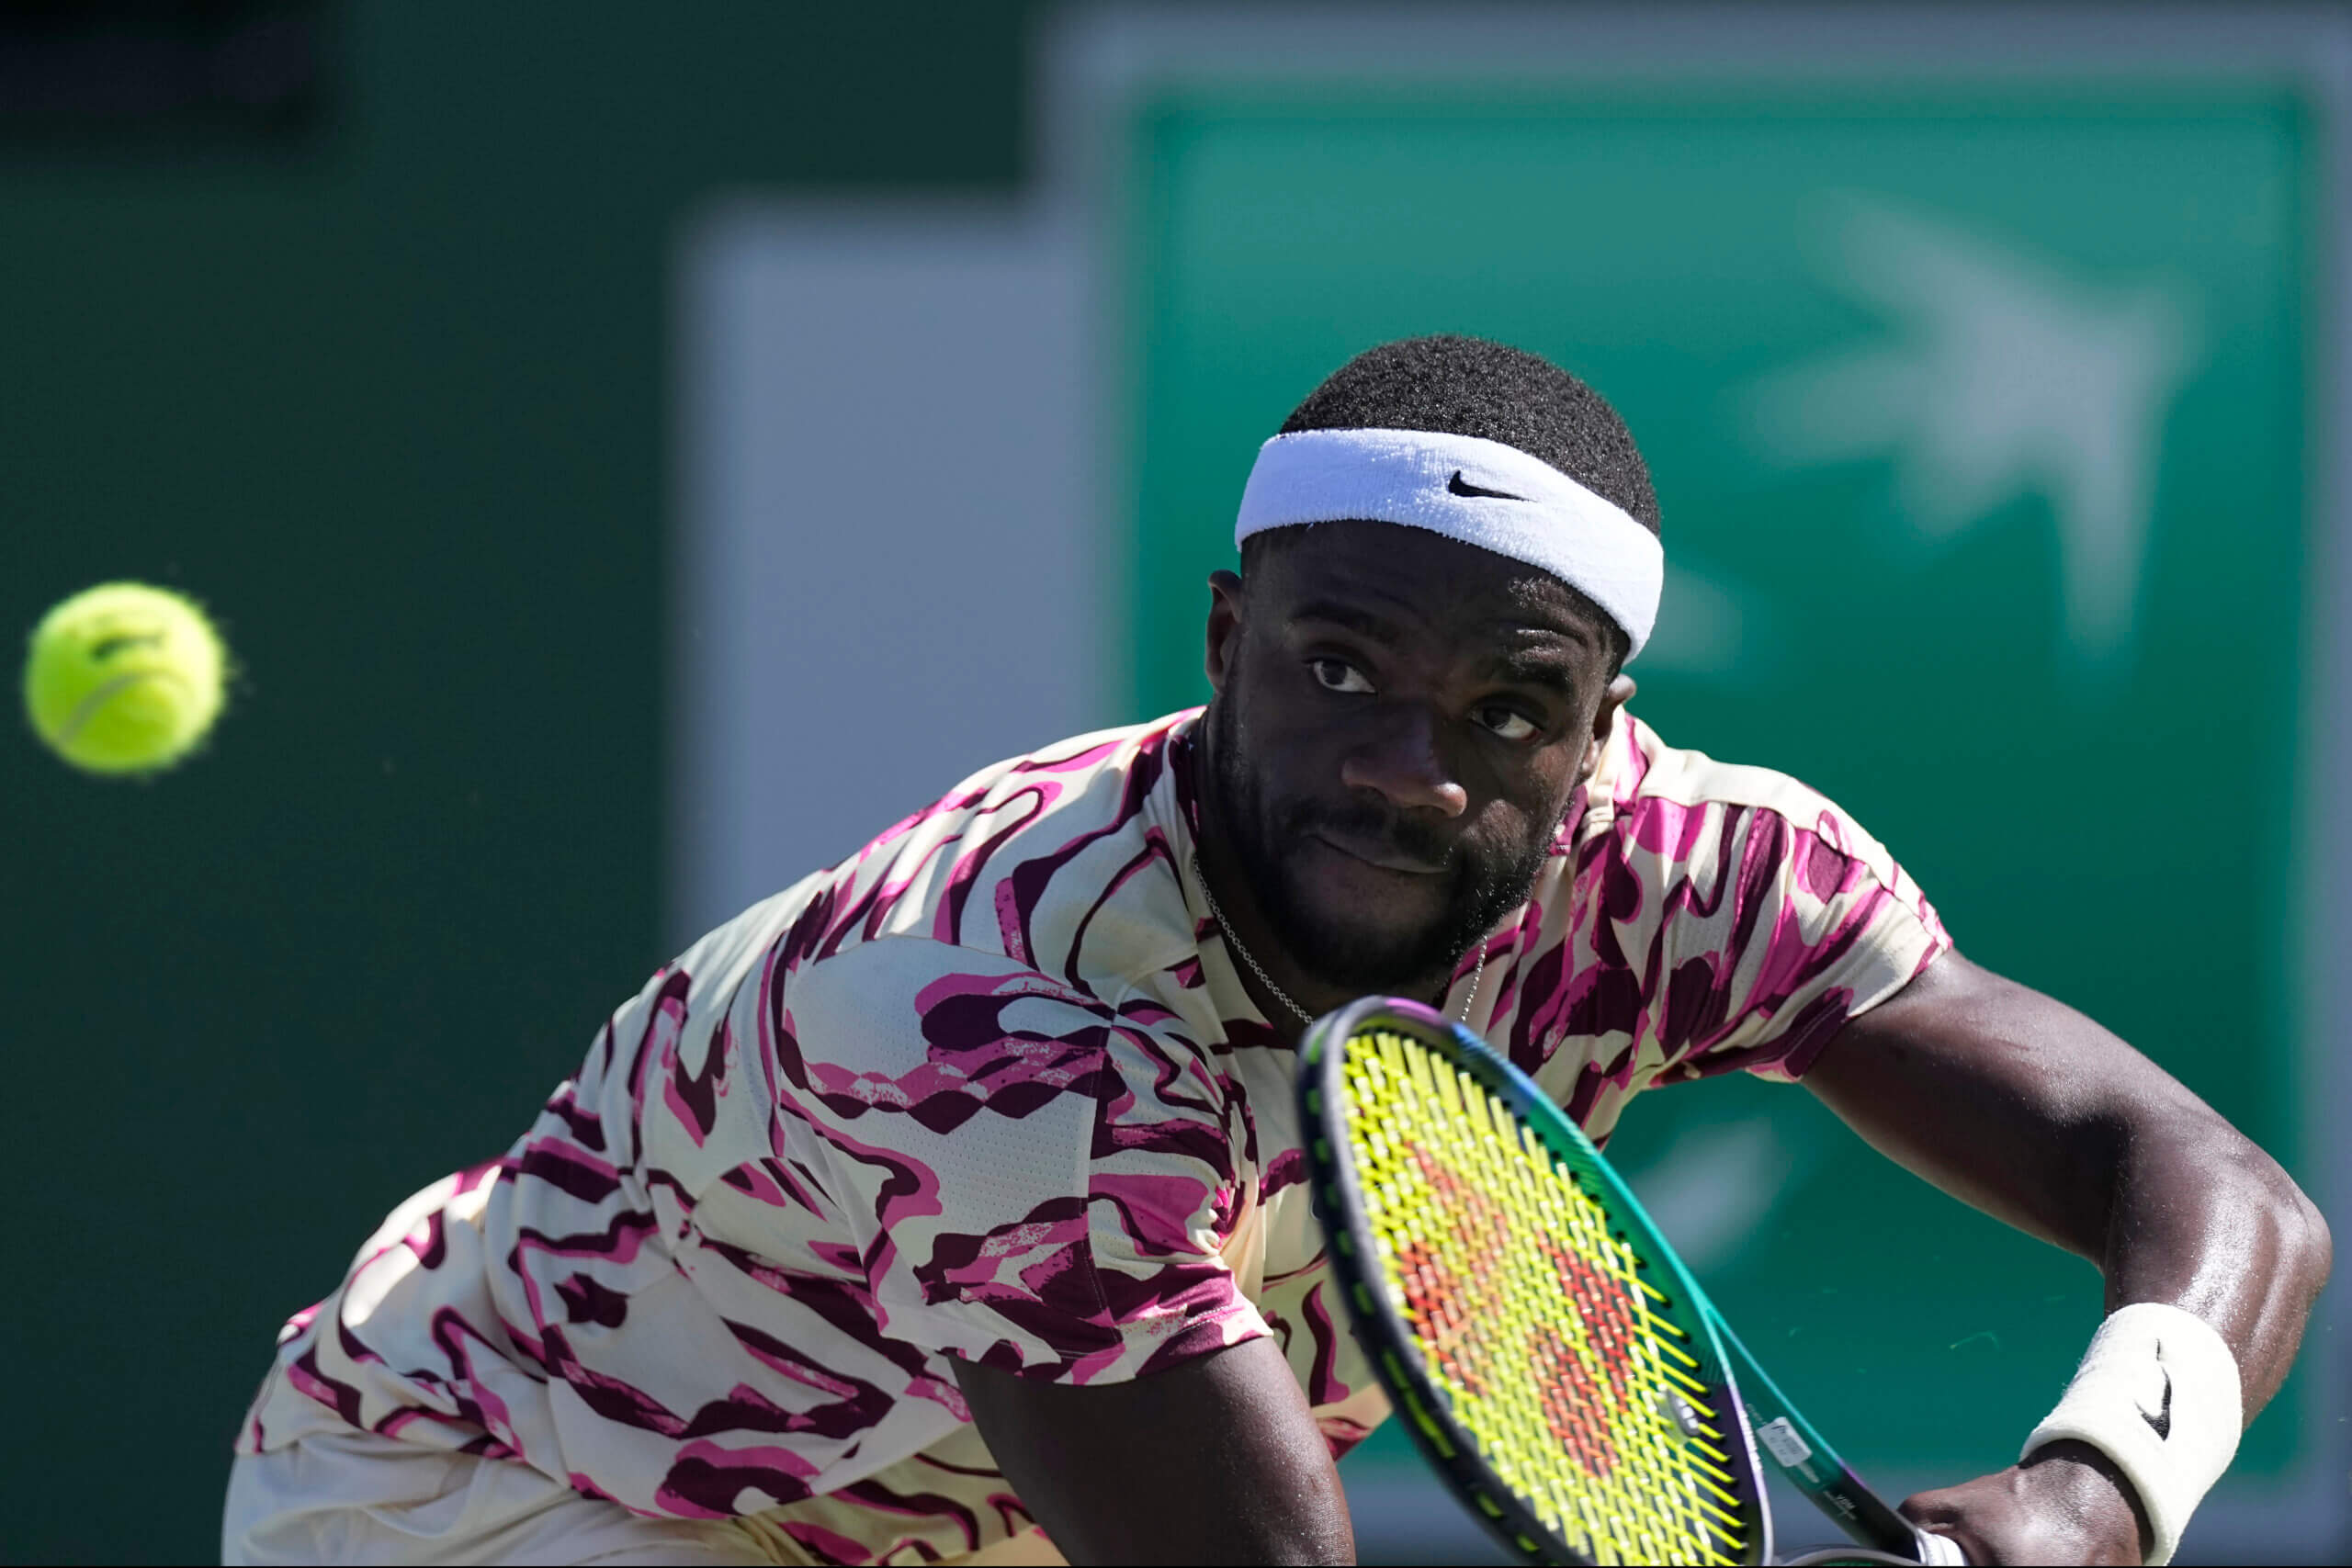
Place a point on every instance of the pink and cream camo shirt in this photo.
(991, 1089)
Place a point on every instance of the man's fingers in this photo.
(1949, 1512)
(1932, 1509)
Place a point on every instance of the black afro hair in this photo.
(1468, 386)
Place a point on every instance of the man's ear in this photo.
(1224, 627)
(1621, 691)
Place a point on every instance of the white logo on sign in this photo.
(1713, 1186)
(1711, 627)
(2003, 375)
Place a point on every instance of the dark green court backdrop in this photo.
(392, 399)
(2108, 812)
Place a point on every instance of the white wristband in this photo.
(2157, 1392)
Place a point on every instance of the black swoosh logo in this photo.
(1457, 485)
(2161, 1421)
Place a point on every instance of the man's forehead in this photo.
(1425, 580)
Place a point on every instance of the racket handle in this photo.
(1939, 1549)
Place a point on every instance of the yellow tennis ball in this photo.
(123, 678)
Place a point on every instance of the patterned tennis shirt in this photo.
(991, 1089)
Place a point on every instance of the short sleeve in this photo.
(1779, 927)
(1037, 1178)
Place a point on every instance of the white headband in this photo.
(1480, 493)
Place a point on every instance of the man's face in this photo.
(1400, 722)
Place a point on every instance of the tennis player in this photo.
(954, 1192)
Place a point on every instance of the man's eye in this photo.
(1338, 676)
(1505, 724)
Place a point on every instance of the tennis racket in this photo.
(1547, 1350)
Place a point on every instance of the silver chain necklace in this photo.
(1233, 941)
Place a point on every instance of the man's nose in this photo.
(1405, 764)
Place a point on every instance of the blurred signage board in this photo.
(1984, 404)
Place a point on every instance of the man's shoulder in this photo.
(1647, 793)
(1103, 779)
(1638, 765)
(1060, 860)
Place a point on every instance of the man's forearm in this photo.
(2204, 1221)
(2035, 1115)
(1215, 1461)
(2031, 1112)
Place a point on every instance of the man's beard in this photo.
(1481, 889)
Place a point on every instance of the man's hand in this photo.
(2066, 1503)
(1217, 1460)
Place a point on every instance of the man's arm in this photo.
(1217, 1460)
(2024, 1108)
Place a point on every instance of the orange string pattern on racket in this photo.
(1531, 1317)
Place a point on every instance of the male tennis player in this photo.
(954, 1192)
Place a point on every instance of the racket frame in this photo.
(1380, 1324)
(1802, 1455)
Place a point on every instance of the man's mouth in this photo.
(1376, 852)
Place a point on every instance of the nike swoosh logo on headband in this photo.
(1458, 486)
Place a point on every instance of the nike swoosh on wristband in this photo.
(2160, 1421)
(1457, 485)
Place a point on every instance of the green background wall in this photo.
(392, 400)
(1684, 245)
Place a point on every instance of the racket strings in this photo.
(1532, 1317)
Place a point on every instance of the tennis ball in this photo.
(123, 678)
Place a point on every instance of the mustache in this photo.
(1365, 822)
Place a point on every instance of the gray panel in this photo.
(883, 577)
